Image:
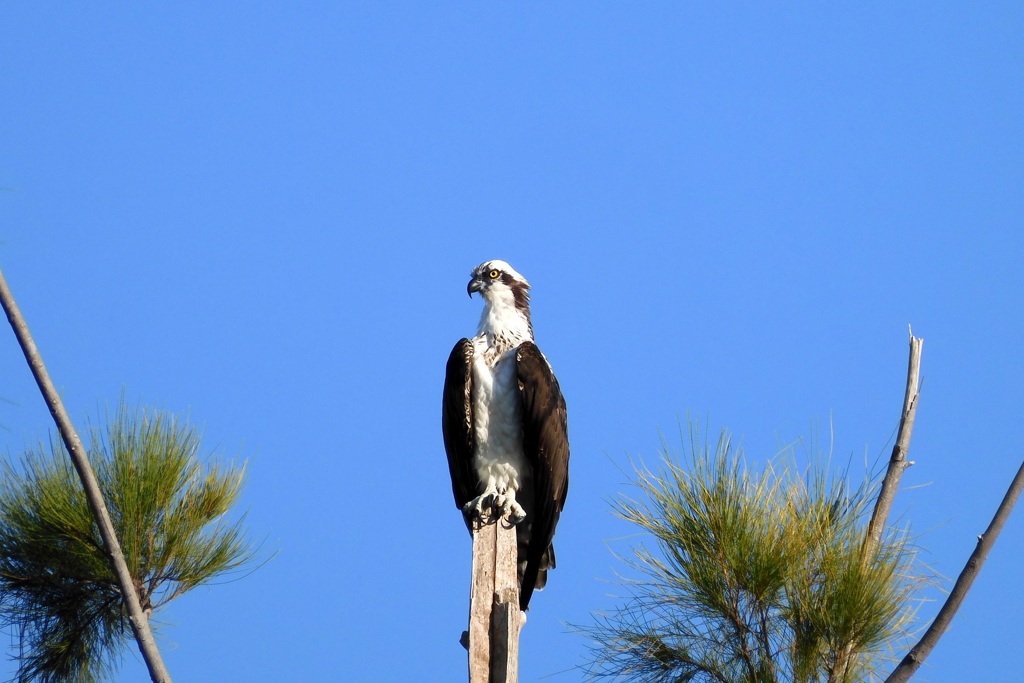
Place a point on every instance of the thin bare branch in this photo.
(919, 652)
(898, 461)
(890, 485)
(136, 616)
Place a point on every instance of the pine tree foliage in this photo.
(752, 578)
(57, 588)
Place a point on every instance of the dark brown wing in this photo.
(546, 444)
(457, 422)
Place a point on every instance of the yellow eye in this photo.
(494, 274)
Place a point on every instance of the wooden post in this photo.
(494, 615)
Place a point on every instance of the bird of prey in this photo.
(504, 425)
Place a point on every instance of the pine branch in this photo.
(137, 618)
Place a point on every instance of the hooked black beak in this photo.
(475, 285)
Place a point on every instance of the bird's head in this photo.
(506, 295)
(494, 279)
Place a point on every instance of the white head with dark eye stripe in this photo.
(506, 296)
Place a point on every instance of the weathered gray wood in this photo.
(494, 616)
(898, 461)
(137, 618)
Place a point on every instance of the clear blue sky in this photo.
(265, 218)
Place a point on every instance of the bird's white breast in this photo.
(497, 419)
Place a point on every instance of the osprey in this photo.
(504, 425)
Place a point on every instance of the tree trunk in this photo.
(137, 618)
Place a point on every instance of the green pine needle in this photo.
(57, 588)
(753, 577)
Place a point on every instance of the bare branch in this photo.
(919, 652)
(898, 461)
(137, 618)
(890, 484)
